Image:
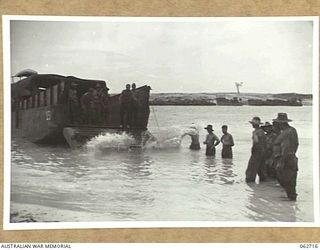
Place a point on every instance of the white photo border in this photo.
(7, 225)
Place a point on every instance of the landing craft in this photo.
(41, 113)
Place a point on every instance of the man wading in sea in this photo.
(269, 156)
(211, 141)
(193, 132)
(287, 162)
(227, 143)
(256, 161)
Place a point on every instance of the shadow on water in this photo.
(268, 202)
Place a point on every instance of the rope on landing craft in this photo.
(155, 118)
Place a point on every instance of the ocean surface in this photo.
(106, 181)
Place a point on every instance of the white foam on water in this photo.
(162, 139)
(110, 141)
(171, 137)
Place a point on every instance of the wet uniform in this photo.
(257, 159)
(287, 162)
(210, 141)
(227, 143)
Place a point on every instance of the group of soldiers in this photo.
(273, 153)
(212, 141)
(129, 105)
(93, 106)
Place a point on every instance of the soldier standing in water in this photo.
(193, 132)
(287, 162)
(211, 141)
(256, 161)
(227, 143)
(269, 156)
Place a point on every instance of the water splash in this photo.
(170, 137)
(109, 141)
(160, 139)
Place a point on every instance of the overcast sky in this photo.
(269, 57)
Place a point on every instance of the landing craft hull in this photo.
(35, 125)
(42, 113)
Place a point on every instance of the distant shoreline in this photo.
(229, 99)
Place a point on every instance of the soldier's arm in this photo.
(231, 139)
(206, 141)
(217, 141)
(296, 140)
(255, 138)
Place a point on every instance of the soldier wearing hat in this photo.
(269, 156)
(211, 141)
(257, 159)
(287, 162)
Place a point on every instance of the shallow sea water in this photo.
(164, 182)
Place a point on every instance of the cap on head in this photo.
(282, 118)
(256, 121)
(224, 127)
(209, 128)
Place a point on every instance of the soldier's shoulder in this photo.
(292, 129)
